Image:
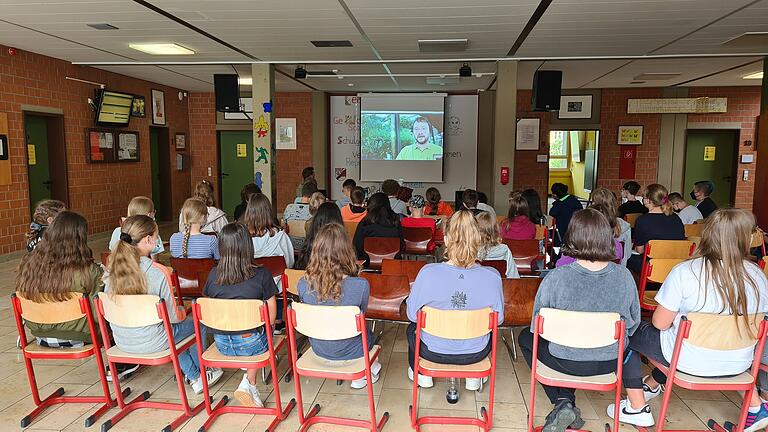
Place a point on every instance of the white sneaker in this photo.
(651, 393)
(424, 381)
(247, 394)
(362, 382)
(213, 375)
(627, 414)
(473, 384)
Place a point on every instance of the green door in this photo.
(236, 159)
(154, 156)
(710, 155)
(36, 129)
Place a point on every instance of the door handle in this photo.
(225, 174)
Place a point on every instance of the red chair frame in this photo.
(312, 416)
(214, 411)
(57, 397)
(276, 265)
(487, 421)
(141, 401)
(683, 332)
(619, 336)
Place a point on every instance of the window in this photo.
(558, 150)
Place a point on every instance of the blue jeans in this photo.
(247, 344)
(188, 360)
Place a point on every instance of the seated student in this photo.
(216, 217)
(139, 205)
(618, 250)
(315, 201)
(701, 192)
(131, 272)
(631, 206)
(45, 212)
(435, 205)
(534, 207)
(307, 176)
(482, 204)
(237, 278)
(517, 225)
(267, 237)
(300, 211)
(327, 213)
(469, 200)
(391, 188)
(245, 193)
(380, 221)
(191, 243)
(660, 223)
(346, 188)
(718, 279)
(417, 219)
(465, 285)
(687, 213)
(605, 201)
(562, 209)
(591, 284)
(332, 280)
(355, 211)
(491, 247)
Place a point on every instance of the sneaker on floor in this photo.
(213, 375)
(627, 414)
(473, 384)
(651, 393)
(362, 382)
(278, 328)
(758, 420)
(123, 371)
(424, 381)
(560, 418)
(248, 394)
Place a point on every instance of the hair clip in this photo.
(126, 238)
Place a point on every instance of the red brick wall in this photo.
(529, 173)
(98, 191)
(202, 132)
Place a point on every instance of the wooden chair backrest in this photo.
(275, 264)
(297, 228)
(51, 312)
(631, 218)
(230, 315)
(456, 324)
(381, 248)
(499, 265)
(351, 227)
(190, 268)
(757, 239)
(680, 249)
(519, 295)
(326, 322)
(500, 218)
(416, 239)
(408, 268)
(387, 296)
(523, 248)
(693, 230)
(541, 232)
(294, 276)
(579, 329)
(131, 310)
(723, 332)
(660, 268)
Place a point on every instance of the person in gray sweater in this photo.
(590, 284)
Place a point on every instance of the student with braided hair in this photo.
(191, 242)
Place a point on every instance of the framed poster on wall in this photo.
(575, 107)
(100, 146)
(630, 135)
(158, 108)
(527, 134)
(128, 146)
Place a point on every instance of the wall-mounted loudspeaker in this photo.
(546, 90)
(227, 92)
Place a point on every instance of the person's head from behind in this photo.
(657, 197)
(462, 239)
(332, 258)
(610, 216)
(141, 205)
(46, 211)
(534, 205)
(308, 174)
(589, 237)
(307, 190)
(422, 130)
(416, 206)
(380, 211)
(138, 237)
(433, 198)
(248, 190)
(678, 203)
(194, 212)
(559, 190)
(236, 250)
(390, 187)
(258, 217)
(702, 189)
(47, 273)
(490, 235)
(606, 200)
(470, 199)
(348, 186)
(315, 201)
(482, 197)
(204, 192)
(357, 196)
(630, 190)
(518, 205)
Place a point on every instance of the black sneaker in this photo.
(124, 371)
(579, 422)
(279, 328)
(560, 418)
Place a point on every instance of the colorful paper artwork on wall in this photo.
(263, 155)
(261, 127)
(267, 107)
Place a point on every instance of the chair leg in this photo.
(510, 344)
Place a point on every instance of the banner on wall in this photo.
(459, 157)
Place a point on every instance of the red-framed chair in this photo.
(133, 311)
(190, 273)
(661, 249)
(657, 270)
(720, 332)
(417, 241)
(331, 323)
(276, 266)
(577, 330)
(408, 268)
(526, 254)
(499, 265)
(76, 307)
(764, 265)
(455, 324)
(380, 248)
(235, 316)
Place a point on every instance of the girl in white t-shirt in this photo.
(718, 279)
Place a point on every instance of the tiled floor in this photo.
(688, 410)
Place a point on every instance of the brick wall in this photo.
(529, 173)
(100, 192)
(202, 133)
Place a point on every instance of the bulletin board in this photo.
(111, 146)
(5, 160)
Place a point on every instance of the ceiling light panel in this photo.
(161, 48)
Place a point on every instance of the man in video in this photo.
(422, 149)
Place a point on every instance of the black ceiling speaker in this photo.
(300, 72)
(465, 70)
(546, 90)
(227, 91)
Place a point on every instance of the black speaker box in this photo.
(227, 92)
(546, 90)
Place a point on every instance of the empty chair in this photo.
(417, 241)
(519, 295)
(380, 248)
(191, 273)
(499, 265)
(408, 268)
(526, 254)
(387, 296)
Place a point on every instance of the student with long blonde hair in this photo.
(139, 205)
(660, 223)
(130, 271)
(42, 217)
(192, 243)
(216, 217)
(491, 247)
(332, 280)
(458, 284)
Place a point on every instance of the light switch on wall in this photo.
(209, 171)
(745, 176)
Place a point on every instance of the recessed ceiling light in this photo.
(245, 81)
(161, 48)
(350, 85)
(755, 75)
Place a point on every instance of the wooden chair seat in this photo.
(483, 365)
(311, 362)
(33, 349)
(114, 353)
(212, 354)
(685, 380)
(553, 376)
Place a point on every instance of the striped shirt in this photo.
(198, 246)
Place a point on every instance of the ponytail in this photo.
(123, 271)
(658, 195)
(185, 240)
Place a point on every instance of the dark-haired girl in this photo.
(380, 221)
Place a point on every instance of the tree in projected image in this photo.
(377, 136)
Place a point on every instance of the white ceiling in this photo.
(282, 30)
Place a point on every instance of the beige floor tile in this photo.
(507, 415)
(508, 389)
(434, 398)
(720, 411)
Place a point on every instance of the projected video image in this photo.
(401, 136)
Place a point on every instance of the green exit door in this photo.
(236, 166)
(711, 155)
(36, 131)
